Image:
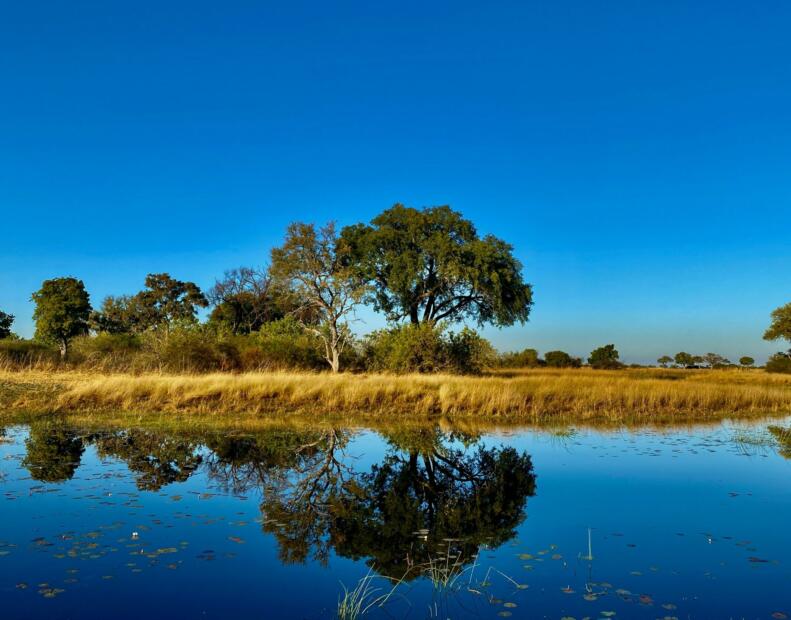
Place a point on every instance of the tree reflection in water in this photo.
(155, 458)
(428, 495)
(431, 493)
(53, 451)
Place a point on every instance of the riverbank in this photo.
(535, 396)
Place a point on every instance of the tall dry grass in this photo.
(532, 396)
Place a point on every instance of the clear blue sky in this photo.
(637, 155)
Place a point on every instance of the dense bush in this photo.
(426, 348)
(528, 358)
(106, 351)
(408, 348)
(779, 362)
(561, 359)
(282, 344)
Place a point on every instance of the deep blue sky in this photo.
(637, 155)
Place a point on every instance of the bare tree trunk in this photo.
(64, 345)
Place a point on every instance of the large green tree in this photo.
(314, 263)
(431, 265)
(62, 310)
(6, 320)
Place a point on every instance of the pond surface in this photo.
(575, 524)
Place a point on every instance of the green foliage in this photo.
(605, 357)
(426, 348)
(188, 347)
(684, 359)
(665, 361)
(561, 359)
(527, 358)
(284, 344)
(781, 324)
(407, 348)
(163, 302)
(431, 265)
(779, 362)
(746, 361)
(6, 320)
(469, 353)
(62, 311)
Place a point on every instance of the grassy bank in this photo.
(530, 396)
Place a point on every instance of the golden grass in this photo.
(531, 396)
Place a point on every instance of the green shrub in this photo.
(469, 353)
(779, 362)
(407, 348)
(426, 348)
(283, 344)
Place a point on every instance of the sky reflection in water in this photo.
(133, 523)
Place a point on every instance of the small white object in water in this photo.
(135, 535)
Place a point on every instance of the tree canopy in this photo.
(780, 326)
(62, 311)
(164, 301)
(431, 265)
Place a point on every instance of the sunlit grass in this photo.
(531, 396)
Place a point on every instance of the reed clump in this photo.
(533, 396)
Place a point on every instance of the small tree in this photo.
(683, 359)
(315, 264)
(746, 361)
(6, 320)
(62, 311)
(665, 361)
(605, 357)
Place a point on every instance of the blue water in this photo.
(686, 523)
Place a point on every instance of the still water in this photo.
(685, 523)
